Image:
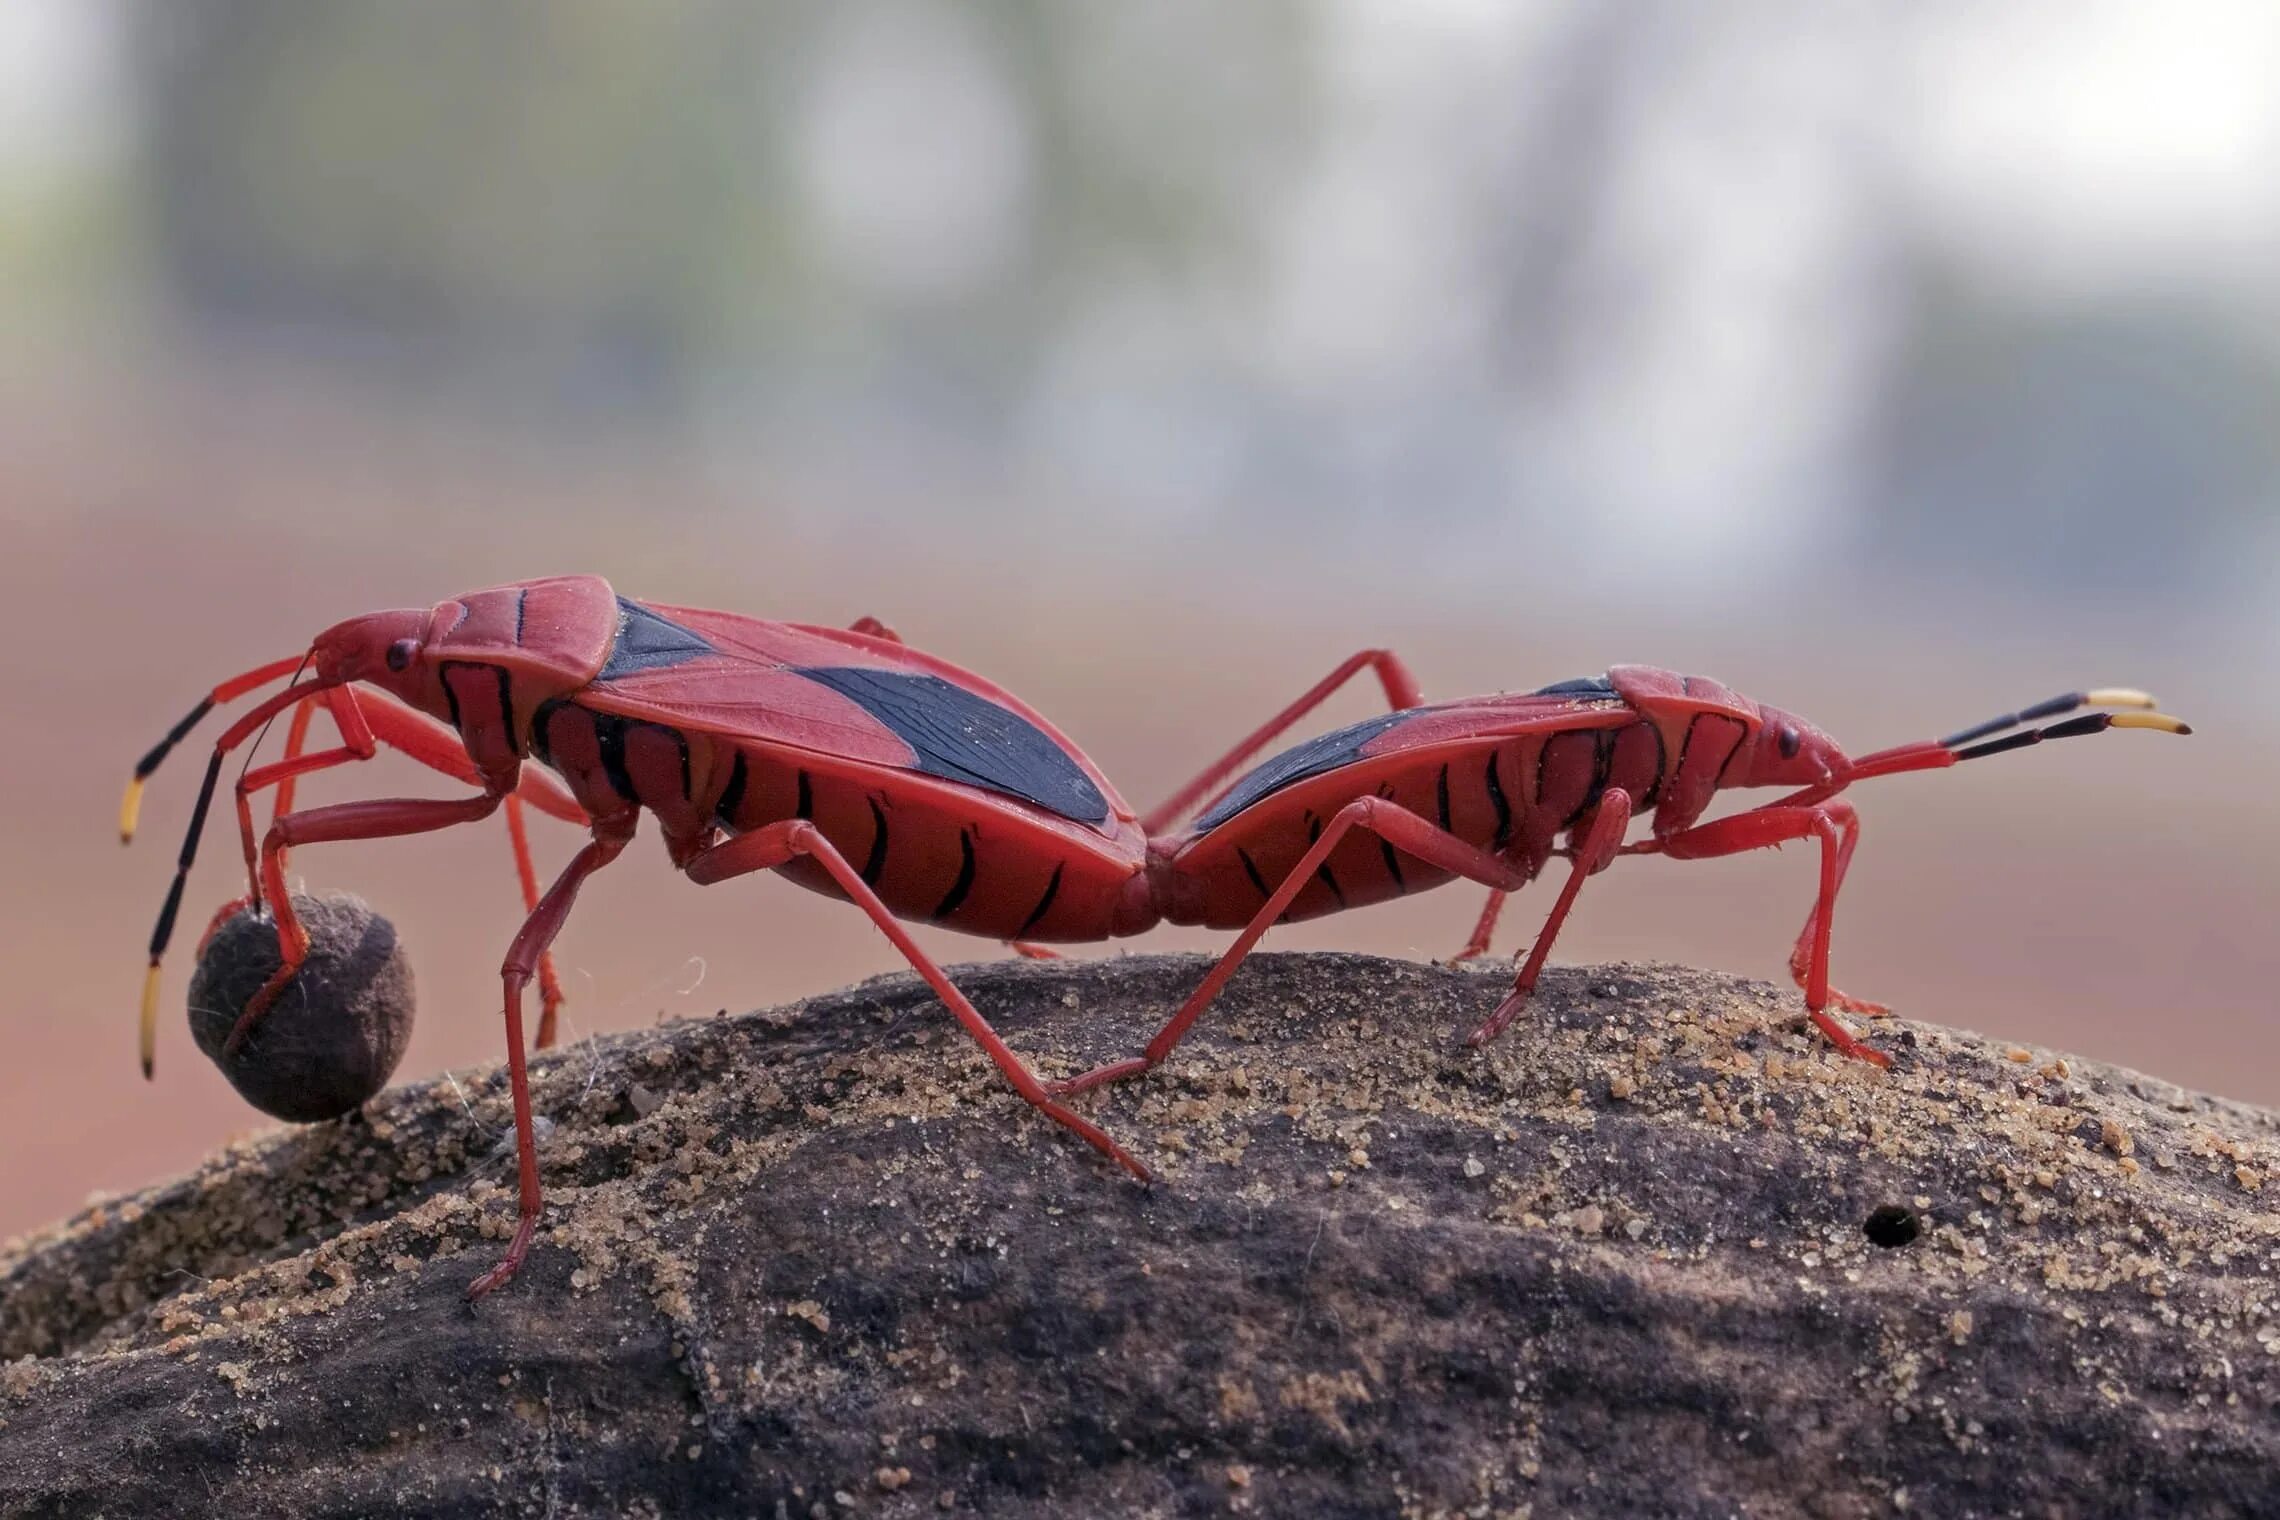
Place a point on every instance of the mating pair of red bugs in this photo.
(862, 768)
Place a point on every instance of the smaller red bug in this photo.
(1493, 788)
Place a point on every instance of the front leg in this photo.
(1837, 827)
(1484, 928)
(1801, 954)
(366, 722)
(380, 819)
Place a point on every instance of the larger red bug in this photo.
(843, 758)
(1493, 788)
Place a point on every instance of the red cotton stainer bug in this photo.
(1492, 788)
(853, 764)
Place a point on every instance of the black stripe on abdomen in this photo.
(965, 881)
(732, 795)
(609, 738)
(1314, 836)
(1500, 802)
(1044, 904)
(877, 863)
(542, 747)
(1602, 760)
(1251, 869)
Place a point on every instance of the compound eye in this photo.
(402, 653)
(1789, 740)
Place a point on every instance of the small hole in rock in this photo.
(1891, 1226)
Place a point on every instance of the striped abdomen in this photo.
(1513, 795)
(934, 850)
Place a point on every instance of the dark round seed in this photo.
(335, 1033)
(1892, 1226)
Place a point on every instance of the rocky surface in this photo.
(1656, 1252)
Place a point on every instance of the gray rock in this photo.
(820, 1260)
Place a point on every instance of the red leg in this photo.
(356, 744)
(1395, 825)
(1835, 825)
(420, 737)
(439, 748)
(366, 721)
(296, 740)
(379, 819)
(876, 629)
(1400, 692)
(1030, 952)
(1595, 854)
(436, 746)
(1485, 929)
(766, 848)
(1801, 955)
(549, 985)
(523, 956)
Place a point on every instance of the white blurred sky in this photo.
(62, 95)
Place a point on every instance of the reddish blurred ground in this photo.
(2110, 897)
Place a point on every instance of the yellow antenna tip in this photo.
(2117, 696)
(2154, 720)
(130, 810)
(150, 1020)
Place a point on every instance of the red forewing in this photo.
(1416, 728)
(845, 695)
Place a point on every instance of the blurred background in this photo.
(1897, 364)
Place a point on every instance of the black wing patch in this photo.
(646, 641)
(1324, 753)
(1581, 686)
(963, 737)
